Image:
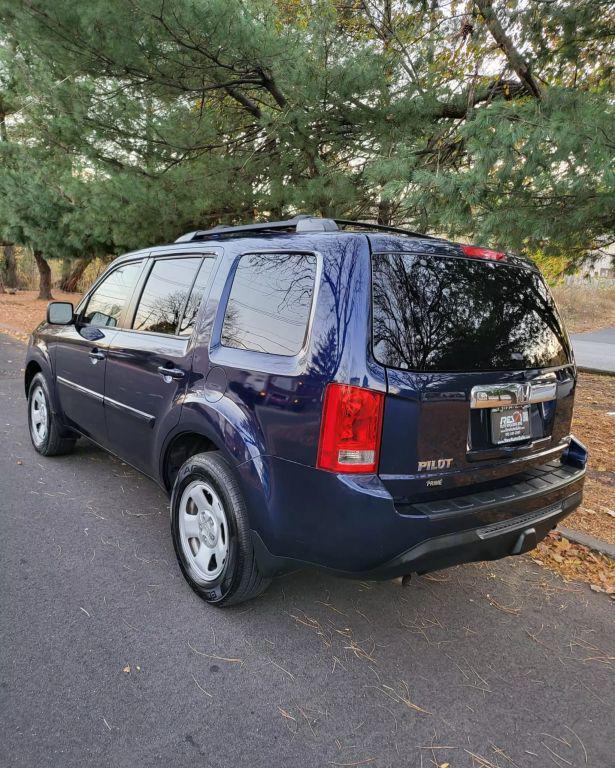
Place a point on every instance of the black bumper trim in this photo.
(490, 542)
(533, 483)
(516, 523)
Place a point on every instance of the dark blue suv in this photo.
(321, 393)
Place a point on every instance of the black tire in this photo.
(55, 442)
(240, 579)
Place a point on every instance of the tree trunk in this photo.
(384, 213)
(44, 271)
(10, 267)
(2, 286)
(66, 266)
(71, 281)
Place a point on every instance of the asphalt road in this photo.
(484, 665)
(595, 349)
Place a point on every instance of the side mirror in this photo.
(60, 313)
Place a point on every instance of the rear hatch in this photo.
(480, 377)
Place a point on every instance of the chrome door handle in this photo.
(96, 355)
(170, 373)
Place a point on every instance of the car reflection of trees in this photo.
(162, 314)
(289, 279)
(284, 392)
(432, 313)
(344, 284)
(293, 286)
(271, 299)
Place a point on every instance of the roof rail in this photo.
(301, 223)
(381, 228)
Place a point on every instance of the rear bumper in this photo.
(353, 527)
(492, 542)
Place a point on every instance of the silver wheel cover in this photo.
(203, 530)
(39, 416)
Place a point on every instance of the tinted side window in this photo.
(196, 296)
(270, 301)
(165, 294)
(106, 304)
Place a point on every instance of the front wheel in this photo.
(211, 532)
(46, 430)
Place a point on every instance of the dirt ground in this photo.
(594, 425)
(21, 312)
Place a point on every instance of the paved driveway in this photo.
(485, 665)
(595, 349)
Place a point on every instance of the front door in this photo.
(80, 351)
(149, 361)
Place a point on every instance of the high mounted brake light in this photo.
(350, 430)
(475, 252)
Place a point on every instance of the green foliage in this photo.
(123, 124)
(554, 268)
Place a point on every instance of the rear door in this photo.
(80, 350)
(149, 359)
(479, 372)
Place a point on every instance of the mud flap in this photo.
(527, 541)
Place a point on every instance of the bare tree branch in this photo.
(518, 63)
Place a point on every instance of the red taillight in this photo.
(350, 429)
(476, 252)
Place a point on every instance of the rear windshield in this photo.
(457, 314)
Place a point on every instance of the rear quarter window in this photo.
(270, 302)
(439, 314)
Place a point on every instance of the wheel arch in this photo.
(203, 426)
(179, 448)
(32, 368)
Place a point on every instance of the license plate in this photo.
(510, 425)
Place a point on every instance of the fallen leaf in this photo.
(127, 668)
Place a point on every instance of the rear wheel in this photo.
(46, 430)
(211, 533)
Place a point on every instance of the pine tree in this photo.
(481, 119)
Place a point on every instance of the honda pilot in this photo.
(321, 393)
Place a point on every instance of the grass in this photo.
(585, 307)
